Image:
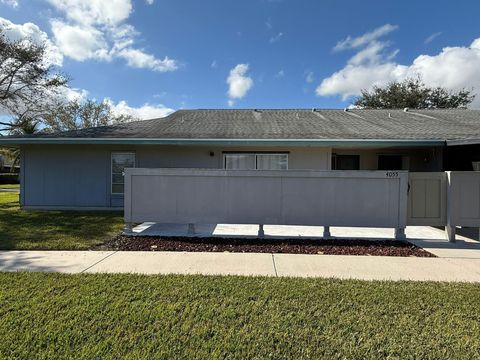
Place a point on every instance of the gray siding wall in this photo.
(73, 176)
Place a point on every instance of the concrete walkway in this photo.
(354, 267)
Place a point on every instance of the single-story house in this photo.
(82, 169)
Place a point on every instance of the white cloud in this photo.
(268, 24)
(352, 43)
(90, 12)
(12, 3)
(80, 43)
(432, 37)
(280, 74)
(97, 29)
(453, 67)
(146, 111)
(139, 59)
(276, 38)
(239, 83)
(70, 94)
(19, 32)
(149, 2)
(214, 64)
(309, 77)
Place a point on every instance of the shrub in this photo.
(9, 178)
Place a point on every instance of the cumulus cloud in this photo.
(12, 3)
(139, 59)
(91, 12)
(146, 111)
(79, 43)
(453, 67)
(97, 29)
(355, 42)
(239, 83)
(30, 31)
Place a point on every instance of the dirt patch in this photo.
(285, 246)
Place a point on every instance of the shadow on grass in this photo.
(53, 230)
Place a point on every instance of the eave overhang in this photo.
(11, 141)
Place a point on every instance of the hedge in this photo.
(9, 178)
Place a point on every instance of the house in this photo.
(83, 169)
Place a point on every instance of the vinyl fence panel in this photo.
(464, 198)
(322, 198)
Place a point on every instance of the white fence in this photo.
(463, 204)
(322, 198)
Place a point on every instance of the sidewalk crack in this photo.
(98, 262)
(274, 266)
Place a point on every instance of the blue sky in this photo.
(147, 57)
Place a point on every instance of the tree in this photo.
(75, 115)
(28, 83)
(413, 93)
(21, 125)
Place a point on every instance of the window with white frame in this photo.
(120, 162)
(255, 161)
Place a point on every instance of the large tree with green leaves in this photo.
(413, 93)
(28, 82)
(76, 114)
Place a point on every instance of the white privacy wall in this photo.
(464, 198)
(323, 198)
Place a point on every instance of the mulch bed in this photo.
(286, 246)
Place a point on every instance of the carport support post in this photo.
(400, 234)
(191, 229)
(450, 228)
(326, 232)
(261, 233)
(450, 231)
(127, 229)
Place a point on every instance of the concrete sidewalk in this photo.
(336, 266)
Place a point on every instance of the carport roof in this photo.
(274, 126)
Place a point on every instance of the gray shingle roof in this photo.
(295, 124)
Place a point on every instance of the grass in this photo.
(46, 316)
(53, 230)
(9, 186)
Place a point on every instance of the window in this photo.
(240, 161)
(345, 162)
(390, 162)
(252, 161)
(120, 161)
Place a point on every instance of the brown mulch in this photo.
(286, 246)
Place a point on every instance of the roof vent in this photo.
(405, 110)
(346, 109)
(390, 115)
(313, 109)
(257, 110)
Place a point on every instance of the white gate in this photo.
(427, 199)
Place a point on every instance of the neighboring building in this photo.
(83, 169)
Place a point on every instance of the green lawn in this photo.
(9, 186)
(45, 316)
(53, 230)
